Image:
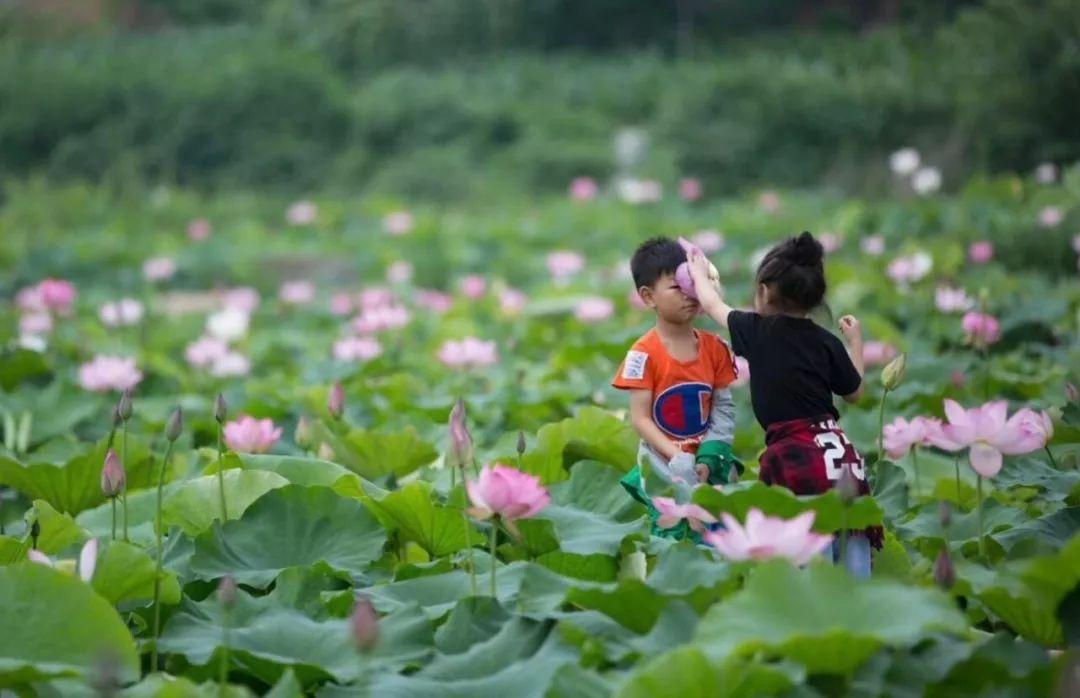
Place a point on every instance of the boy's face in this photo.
(670, 303)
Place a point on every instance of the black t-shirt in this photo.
(795, 366)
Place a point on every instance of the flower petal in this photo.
(985, 459)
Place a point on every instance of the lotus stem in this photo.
(915, 469)
(881, 425)
(494, 537)
(979, 504)
(124, 459)
(956, 464)
(221, 476)
(472, 555)
(160, 555)
(113, 500)
(1049, 453)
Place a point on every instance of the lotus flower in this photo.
(583, 189)
(35, 323)
(341, 304)
(873, 245)
(229, 324)
(709, 241)
(302, 213)
(904, 162)
(562, 264)
(57, 295)
(250, 435)
(461, 445)
(1046, 173)
(126, 311)
(769, 201)
(199, 230)
(989, 435)
(335, 401)
(364, 625)
(981, 252)
(113, 477)
(398, 223)
(230, 364)
(672, 513)
(878, 353)
(1051, 217)
(690, 189)
(85, 566)
(400, 272)
(159, 268)
(512, 301)
(981, 329)
(830, 242)
(909, 268)
(379, 319)
(474, 286)
(682, 272)
(297, 292)
(926, 181)
(468, 353)
(105, 373)
(766, 537)
(900, 436)
(434, 301)
(374, 297)
(952, 300)
(595, 309)
(507, 493)
(243, 299)
(357, 349)
(639, 191)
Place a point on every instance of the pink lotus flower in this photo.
(121, 313)
(1046, 173)
(468, 353)
(1051, 217)
(35, 323)
(159, 268)
(507, 493)
(512, 301)
(113, 477)
(830, 242)
(874, 245)
(981, 252)
(742, 372)
(766, 537)
(988, 435)
(230, 364)
(242, 298)
(563, 264)
(29, 300)
(980, 328)
(594, 309)
(690, 189)
(204, 351)
(85, 566)
(399, 272)
(398, 223)
(900, 436)
(376, 297)
(636, 300)
(878, 353)
(57, 295)
(583, 189)
(364, 625)
(769, 201)
(250, 435)
(302, 213)
(474, 286)
(374, 320)
(229, 324)
(671, 514)
(957, 378)
(105, 373)
(708, 241)
(199, 230)
(461, 443)
(434, 301)
(952, 300)
(341, 304)
(357, 349)
(639, 191)
(297, 292)
(910, 268)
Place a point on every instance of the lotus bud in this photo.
(335, 402)
(221, 410)
(175, 425)
(112, 475)
(116, 420)
(326, 453)
(364, 624)
(461, 447)
(124, 407)
(944, 572)
(893, 373)
(1072, 394)
(303, 435)
(521, 443)
(227, 591)
(847, 486)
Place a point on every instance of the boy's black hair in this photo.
(795, 272)
(654, 258)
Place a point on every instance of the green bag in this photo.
(718, 457)
(634, 484)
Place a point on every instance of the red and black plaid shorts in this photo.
(807, 456)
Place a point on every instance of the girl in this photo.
(796, 367)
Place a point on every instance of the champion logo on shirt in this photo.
(683, 410)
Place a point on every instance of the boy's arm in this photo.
(641, 418)
(711, 302)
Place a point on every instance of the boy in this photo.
(678, 378)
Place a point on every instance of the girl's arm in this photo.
(852, 331)
(711, 302)
(641, 418)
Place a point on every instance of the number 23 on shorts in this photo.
(835, 446)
